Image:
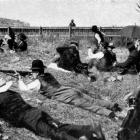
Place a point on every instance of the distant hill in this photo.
(4, 22)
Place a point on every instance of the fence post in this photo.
(8, 30)
(70, 32)
(40, 31)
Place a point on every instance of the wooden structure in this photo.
(62, 31)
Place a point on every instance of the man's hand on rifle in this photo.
(18, 75)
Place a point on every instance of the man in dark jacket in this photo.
(72, 24)
(132, 60)
(11, 42)
(21, 44)
(20, 114)
(68, 58)
(48, 86)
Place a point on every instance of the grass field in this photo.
(45, 50)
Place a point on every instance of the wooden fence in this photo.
(62, 31)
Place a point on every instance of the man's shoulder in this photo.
(134, 53)
(47, 76)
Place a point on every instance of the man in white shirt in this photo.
(99, 38)
(92, 55)
(17, 112)
(104, 59)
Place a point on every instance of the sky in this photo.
(60, 12)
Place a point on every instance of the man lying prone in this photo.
(20, 114)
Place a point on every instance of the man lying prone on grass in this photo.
(17, 112)
(48, 86)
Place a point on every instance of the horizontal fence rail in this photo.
(62, 31)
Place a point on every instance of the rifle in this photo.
(10, 72)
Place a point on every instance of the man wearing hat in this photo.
(96, 52)
(48, 86)
(17, 112)
(132, 60)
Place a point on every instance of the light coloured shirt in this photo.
(91, 55)
(6, 86)
(35, 85)
(54, 66)
(137, 44)
(98, 38)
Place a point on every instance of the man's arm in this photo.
(91, 55)
(26, 87)
(98, 38)
(6, 86)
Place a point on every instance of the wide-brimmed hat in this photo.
(37, 65)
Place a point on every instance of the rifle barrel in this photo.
(22, 73)
(14, 76)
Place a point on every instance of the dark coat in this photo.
(131, 124)
(11, 44)
(21, 46)
(133, 60)
(105, 63)
(11, 33)
(11, 105)
(67, 94)
(20, 114)
(1, 43)
(72, 24)
(70, 60)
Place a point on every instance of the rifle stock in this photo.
(10, 72)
